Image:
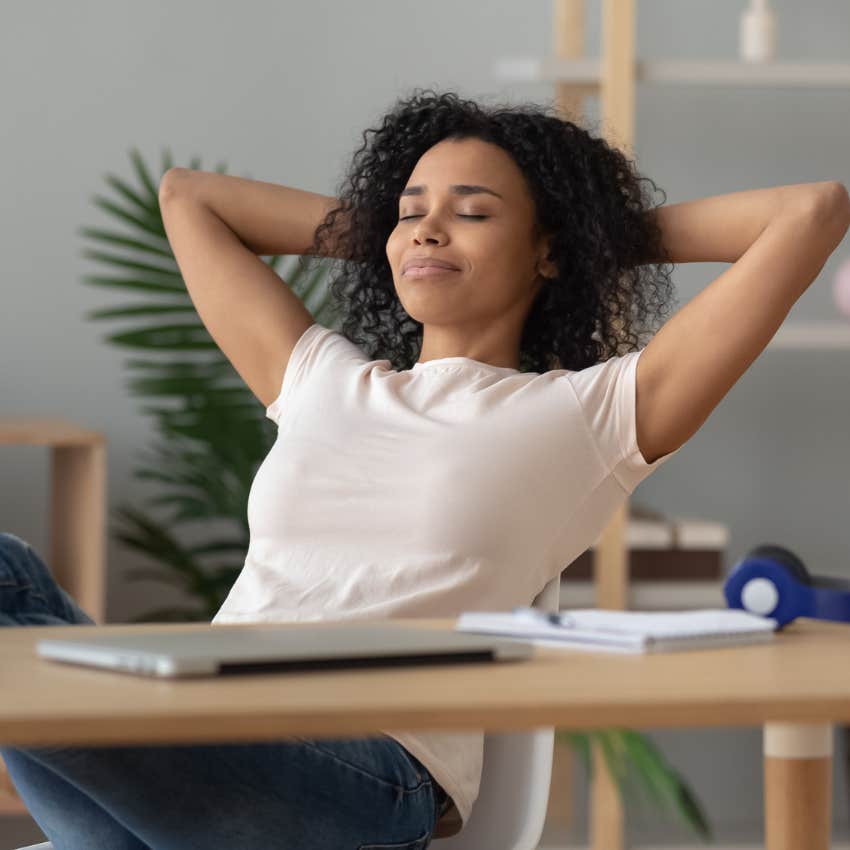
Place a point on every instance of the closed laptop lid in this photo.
(266, 648)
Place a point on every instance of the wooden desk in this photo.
(795, 688)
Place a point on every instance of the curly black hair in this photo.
(613, 271)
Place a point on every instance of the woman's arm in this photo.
(689, 366)
(248, 309)
(721, 228)
(268, 218)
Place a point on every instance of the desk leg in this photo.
(797, 786)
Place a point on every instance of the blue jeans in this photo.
(324, 794)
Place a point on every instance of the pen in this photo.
(536, 615)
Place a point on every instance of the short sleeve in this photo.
(317, 348)
(607, 393)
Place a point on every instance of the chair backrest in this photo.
(516, 776)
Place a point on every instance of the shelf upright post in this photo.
(610, 559)
(568, 42)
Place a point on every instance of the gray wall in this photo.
(282, 92)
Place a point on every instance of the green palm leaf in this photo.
(141, 310)
(639, 770)
(147, 205)
(187, 337)
(663, 781)
(144, 175)
(136, 265)
(211, 369)
(149, 223)
(219, 546)
(134, 283)
(121, 241)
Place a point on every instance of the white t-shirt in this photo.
(453, 486)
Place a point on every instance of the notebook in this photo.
(624, 631)
(220, 650)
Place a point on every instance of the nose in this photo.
(428, 232)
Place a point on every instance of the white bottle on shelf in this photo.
(757, 33)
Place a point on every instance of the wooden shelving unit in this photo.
(77, 504)
(613, 78)
(588, 72)
(76, 555)
(813, 336)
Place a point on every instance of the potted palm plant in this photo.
(213, 436)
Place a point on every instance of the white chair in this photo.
(510, 810)
(516, 775)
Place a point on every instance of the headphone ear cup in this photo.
(782, 556)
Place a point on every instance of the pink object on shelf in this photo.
(841, 289)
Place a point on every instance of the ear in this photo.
(545, 266)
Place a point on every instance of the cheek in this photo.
(492, 266)
(393, 249)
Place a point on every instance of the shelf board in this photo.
(650, 595)
(817, 335)
(588, 72)
(46, 431)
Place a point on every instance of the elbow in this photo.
(831, 208)
(838, 196)
(168, 182)
(837, 199)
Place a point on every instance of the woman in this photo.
(484, 411)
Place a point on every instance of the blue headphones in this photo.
(773, 582)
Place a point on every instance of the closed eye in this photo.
(460, 215)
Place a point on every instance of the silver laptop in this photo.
(265, 648)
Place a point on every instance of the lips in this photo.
(428, 271)
(427, 262)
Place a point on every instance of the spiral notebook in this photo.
(624, 631)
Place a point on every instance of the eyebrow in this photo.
(457, 189)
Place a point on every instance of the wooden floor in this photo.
(19, 832)
(655, 846)
(22, 831)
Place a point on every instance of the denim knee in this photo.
(30, 593)
(19, 564)
(9, 539)
(13, 550)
